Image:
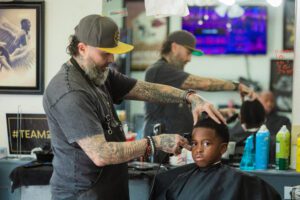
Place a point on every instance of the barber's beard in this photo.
(95, 74)
(176, 62)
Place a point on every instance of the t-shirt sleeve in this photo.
(77, 117)
(168, 75)
(119, 85)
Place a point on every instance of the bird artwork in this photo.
(16, 50)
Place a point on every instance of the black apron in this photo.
(112, 180)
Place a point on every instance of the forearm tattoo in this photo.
(119, 152)
(96, 147)
(155, 93)
(197, 101)
(167, 142)
(217, 85)
(207, 84)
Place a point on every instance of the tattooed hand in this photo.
(246, 91)
(171, 143)
(199, 105)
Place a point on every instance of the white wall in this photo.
(296, 91)
(61, 16)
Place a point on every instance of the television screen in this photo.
(215, 34)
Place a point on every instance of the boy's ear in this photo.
(223, 148)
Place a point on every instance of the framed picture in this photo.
(289, 25)
(281, 83)
(22, 47)
(148, 34)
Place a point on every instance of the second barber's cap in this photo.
(101, 32)
(185, 39)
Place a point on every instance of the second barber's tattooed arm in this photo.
(104, 153)
(207, 84)
(213, 84)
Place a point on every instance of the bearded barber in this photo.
(175, 53)
(89, 146)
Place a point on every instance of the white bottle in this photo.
(262, 148)
(125, 128)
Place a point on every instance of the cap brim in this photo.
(120, 49)
(195, 52)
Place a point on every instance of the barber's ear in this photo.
(174, 47)
(223, 148)
(82, 48)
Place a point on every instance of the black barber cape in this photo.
(216, 182)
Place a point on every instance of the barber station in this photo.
(149, 100)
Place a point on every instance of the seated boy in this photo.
(208, 178)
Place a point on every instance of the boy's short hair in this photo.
(220, 129)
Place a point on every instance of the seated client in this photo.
(208, 178)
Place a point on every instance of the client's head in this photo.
(209, 142)
(252, 114)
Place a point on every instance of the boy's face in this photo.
(207, 147)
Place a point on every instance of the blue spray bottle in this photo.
(262, 148)
(247, 162)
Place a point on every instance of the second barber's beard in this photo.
(95, 74)
(177, 63)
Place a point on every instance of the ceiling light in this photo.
(232, 11)
(221, 10)
(274, 3)
(235, 11)
(227, 2)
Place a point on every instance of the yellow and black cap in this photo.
(101, 32)
(185, 39)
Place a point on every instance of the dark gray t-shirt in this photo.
(75, 110)
(177, 118)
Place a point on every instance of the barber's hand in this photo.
(246, 91)
(171, 143)
(227, 112)
(199, 105)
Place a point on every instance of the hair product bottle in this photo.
(247, 161)
(283, 140)
(262, 148)
(298, 154)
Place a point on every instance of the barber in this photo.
(88, 142)
(176, 52)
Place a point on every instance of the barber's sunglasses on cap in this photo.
(101, 32)
(185, 39)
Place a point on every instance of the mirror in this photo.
(257, 69)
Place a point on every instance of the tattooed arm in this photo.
(104, 153)
(212, 84)
(207, 84)
(159, 93)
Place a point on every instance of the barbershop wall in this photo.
(61, 16)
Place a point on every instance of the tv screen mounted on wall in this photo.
(215, 34)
